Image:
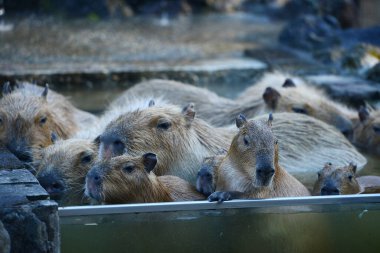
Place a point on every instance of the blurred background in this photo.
(91, 50)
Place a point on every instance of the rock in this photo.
(374, 73)
(360, 58)
(10, 161)
(345, 11)
(36, 225)
(352, 90)
(19, 187)
(5, 241)
(311, 33)
(30, 219)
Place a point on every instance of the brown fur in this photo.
(237, 172)
(64, 161)
(367, 131)
(342, 178)
(345, 181)
(181, 148)
(220, 111)
(22, 113)
(137, 185)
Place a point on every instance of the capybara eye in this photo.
(87, 159)
(164, 125)
(246, 141)
(350, 177)
(299, 110)
(128, 168)
(376, 129)
(43, 120)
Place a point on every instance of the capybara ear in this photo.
(363, 113)
(151, 103)
(6, 88)
(353, 167)
(271, 97)
(288, 83)
(149, 161)
(241, 120)
(45, 92)
(97, 141)
(270, 119)
(189, 112)
(53, 137)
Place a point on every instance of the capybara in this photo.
(182, 141)
(29, 115)
(366, 134)
(285, 93)
(127, 179)
(63, 168)
(251, 167)
(304, 143)
(179, 139)
(334, 180)
(275, 92)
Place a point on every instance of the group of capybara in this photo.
(167, 141)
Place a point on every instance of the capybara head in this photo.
(336, 181)
(307, 100)
(254, 150)
(367, 130)
(27, 121)
(165, 130)
(63, 168)
(122, 179)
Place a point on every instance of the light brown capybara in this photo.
(305, 143)
(275, 92)
(182, 141)
(366, 133)
(251, 167)
(63, 168)
(30, 115)
(334, 180)
(179, 139)
(127, 179)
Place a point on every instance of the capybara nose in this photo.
(53, 184)
(93, 184)
(113, 141)
(329, 190)
(93, 177)
(347, 133)
(265, 172)
(20, 151)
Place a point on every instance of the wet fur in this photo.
(181, 149)
(139, 186)
(237, 172)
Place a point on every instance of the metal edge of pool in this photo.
(205, 205)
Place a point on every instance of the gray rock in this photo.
(374, 73)
(5, 241)
(350, 89)
(19, 187)
(30, 219)
(33, 227)
(311, 33)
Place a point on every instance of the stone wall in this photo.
(28, 220)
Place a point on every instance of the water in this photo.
(297, 228)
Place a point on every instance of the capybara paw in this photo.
(219, 196)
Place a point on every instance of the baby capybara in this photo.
(127, 179)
